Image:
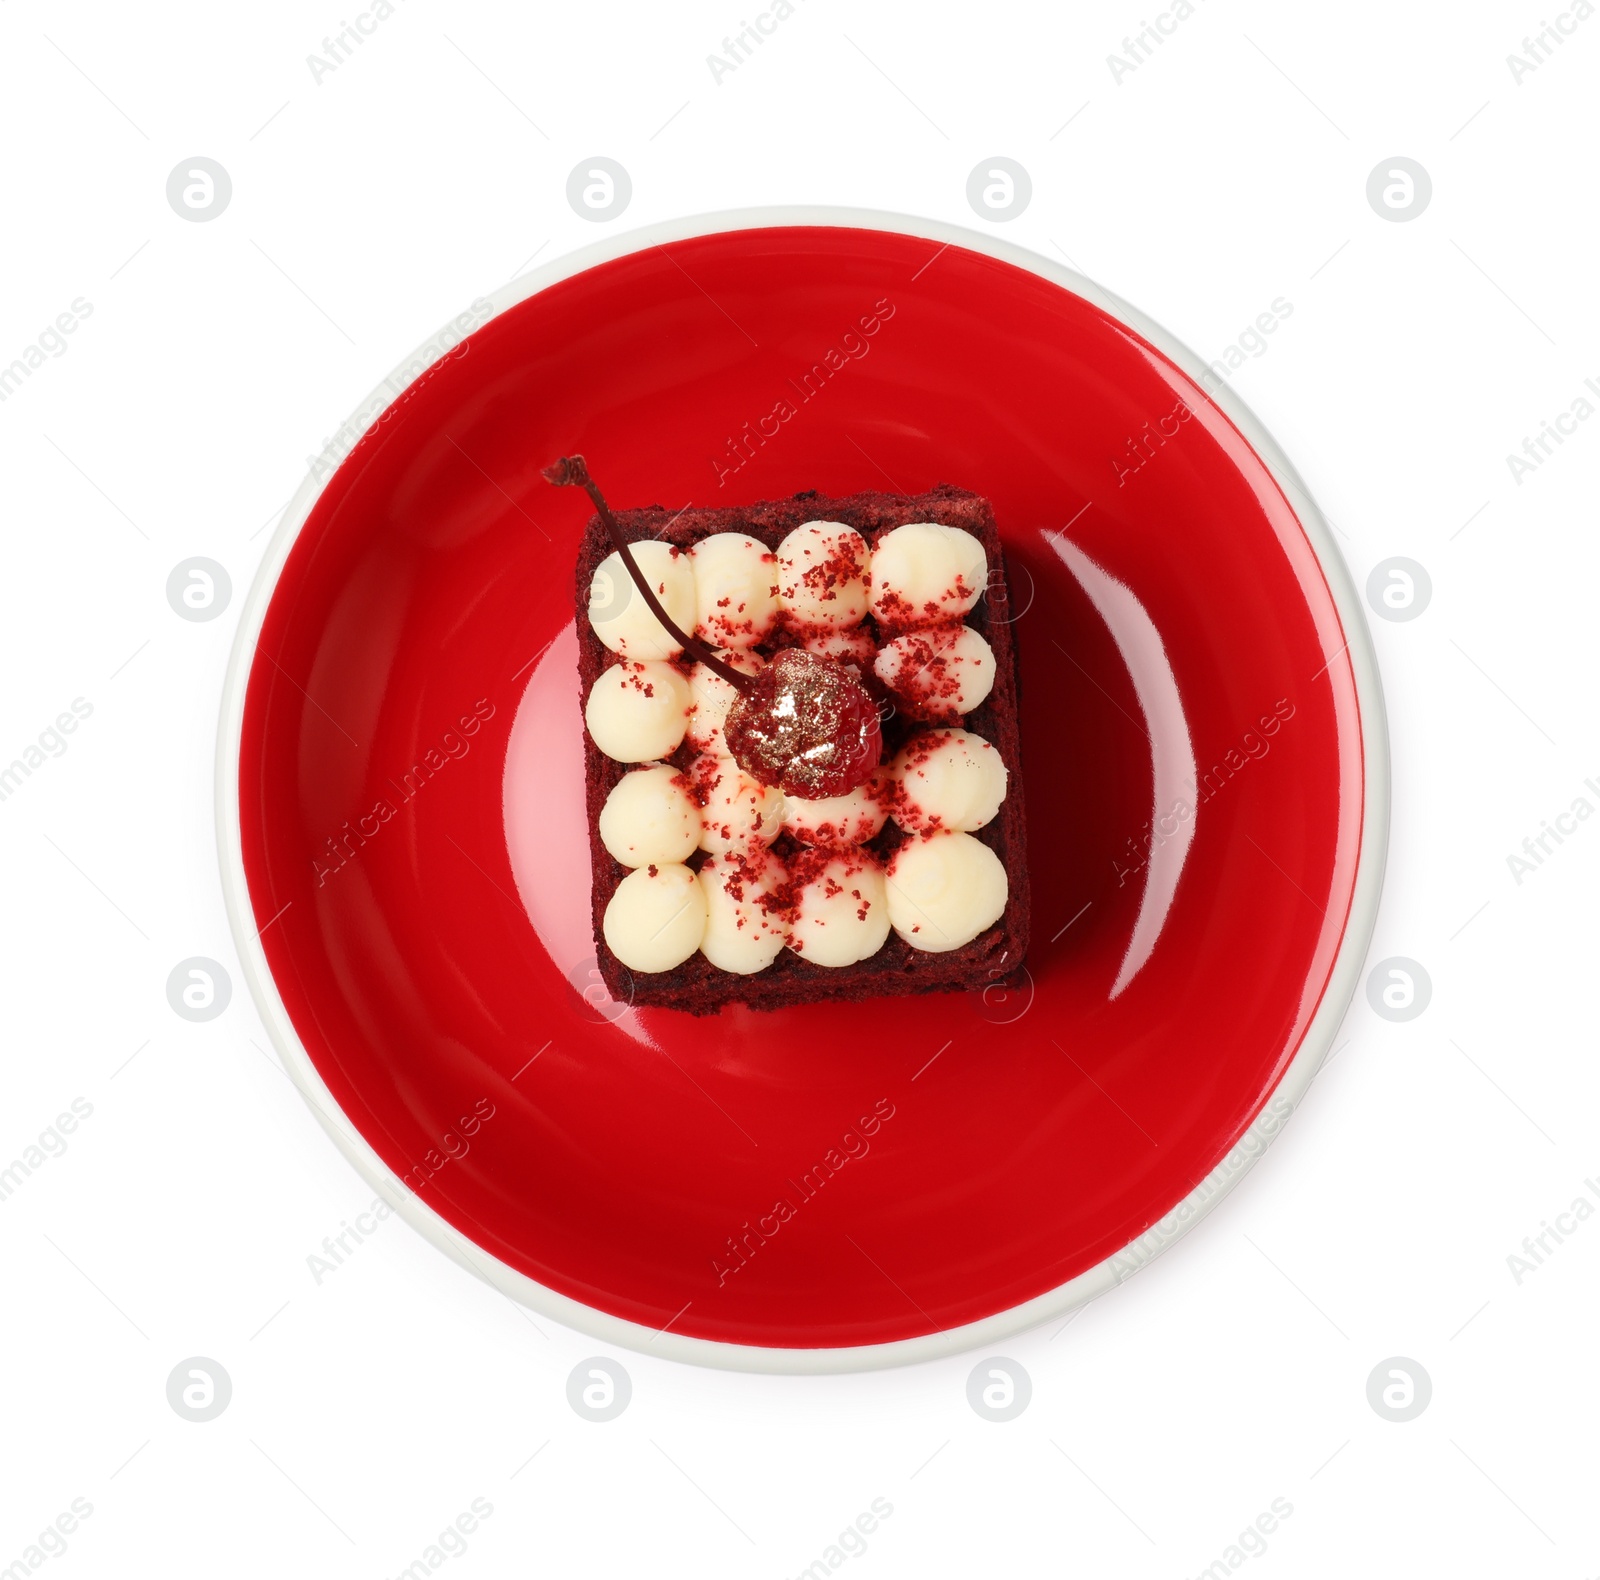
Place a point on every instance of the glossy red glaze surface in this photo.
(433, 971)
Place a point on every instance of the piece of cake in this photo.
(820, 795)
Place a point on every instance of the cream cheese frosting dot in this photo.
(937, 675)
(736, 811)
(947, 779)
(713, 696)
(657, 917)
(945, 890)
(735, 589)
(650, 817)
(742, 935)
(824, 575)
(841, 915)
(852, 645)
(925, 573)
(617, 610)
(849, 819)
(637, 711)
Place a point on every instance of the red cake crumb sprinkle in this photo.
(856, 827)
(914, 756)
(702, 777)
(953, 597)
(927, 683)
(852, 645)
(633, 673)
(723, 626)
(806, 866)
(842, 566)
(744, 876)
(897, 615)
(892, 609)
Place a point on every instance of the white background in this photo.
(370, 1410)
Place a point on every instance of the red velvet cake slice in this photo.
(802, 749)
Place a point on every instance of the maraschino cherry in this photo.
(805, 723)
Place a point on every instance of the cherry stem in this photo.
(571, 469)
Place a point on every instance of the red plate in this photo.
(838, 1185)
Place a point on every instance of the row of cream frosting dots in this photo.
(936, 893)
(822, 582)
